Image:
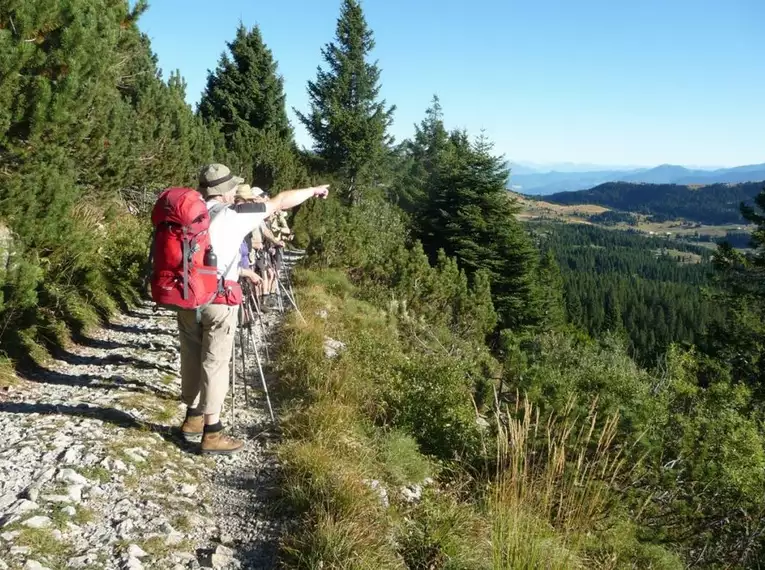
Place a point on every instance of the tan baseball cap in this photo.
(217, 179)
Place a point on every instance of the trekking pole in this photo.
(292, 301)
(254, 300)
(243, 316)
(262, 377)
(251, 336)
(278, 290)
(233, 383)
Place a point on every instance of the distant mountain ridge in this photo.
(713, 204)
(544, 183)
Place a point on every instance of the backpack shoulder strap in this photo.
(217, 209)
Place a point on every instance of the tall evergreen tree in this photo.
(86, 123)
(470, 216)
(423, 158)
(553, 309)
(740, 340)
(613, 313)
(245, 98)
(347, 120)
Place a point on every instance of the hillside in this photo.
(712, 204)
(545, 183)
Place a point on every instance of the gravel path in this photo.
(94, 475)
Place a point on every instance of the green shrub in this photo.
(443, 532)
(430, 398)
(400, 455)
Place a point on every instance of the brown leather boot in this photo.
(220, 444)
(192, 428)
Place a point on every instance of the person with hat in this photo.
(254, 241)
(207, 338)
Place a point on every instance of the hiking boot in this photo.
(220, 444)
(192, 428)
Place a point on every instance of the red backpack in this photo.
(179, 277)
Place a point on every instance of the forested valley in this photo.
(563, 397)
(653, 291)
(707, 204)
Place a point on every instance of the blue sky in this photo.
(598, 81)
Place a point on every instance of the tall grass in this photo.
(553, 486)
(359, 422)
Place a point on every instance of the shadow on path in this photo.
(107, 415)
(133, 329)
(42, 375)
(114, 358)
(99, 343)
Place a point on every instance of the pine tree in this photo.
(471, 217)
(245, 99)
(86, 123)
(551, 291)
(346, 119)
(423, 157)
(613, 313)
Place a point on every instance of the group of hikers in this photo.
(247, 232)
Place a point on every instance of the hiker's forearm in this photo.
(289, 199)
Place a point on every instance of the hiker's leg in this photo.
(190, 333)
(219, 329)
(219, 323)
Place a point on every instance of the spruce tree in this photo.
(422, 159)
(470, 215)
(86, 124)
(553, 309)
(613, 313)
(245, 99)
(347, 120)
(739, 341)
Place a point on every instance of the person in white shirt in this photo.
(207, 339)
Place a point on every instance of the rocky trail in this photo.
(93, 472)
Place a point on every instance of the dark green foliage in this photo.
(88, 133)
(739, 341)
(454, 189)
(551, 291)
(713, 204)
(649, 288)
(346, 119)
(612, 218)
(245, 98)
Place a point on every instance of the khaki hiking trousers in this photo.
(205, 354)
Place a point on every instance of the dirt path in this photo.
(93, 474)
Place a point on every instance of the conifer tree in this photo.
(85, 121)
(346, 119)
(245, 99)
(740, 340)
(423, 156)
(551, 291)
(613, 313)
(470, 216)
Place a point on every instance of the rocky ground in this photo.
(94, 475)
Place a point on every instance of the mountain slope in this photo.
(712, 204)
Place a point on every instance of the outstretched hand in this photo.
(321, 191)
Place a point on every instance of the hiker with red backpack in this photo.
(196, 254)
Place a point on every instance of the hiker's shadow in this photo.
(113, 359)
(99, 343)
(107, 415)
(132, 329)
(43, 375)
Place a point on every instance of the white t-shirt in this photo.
(228, 229)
